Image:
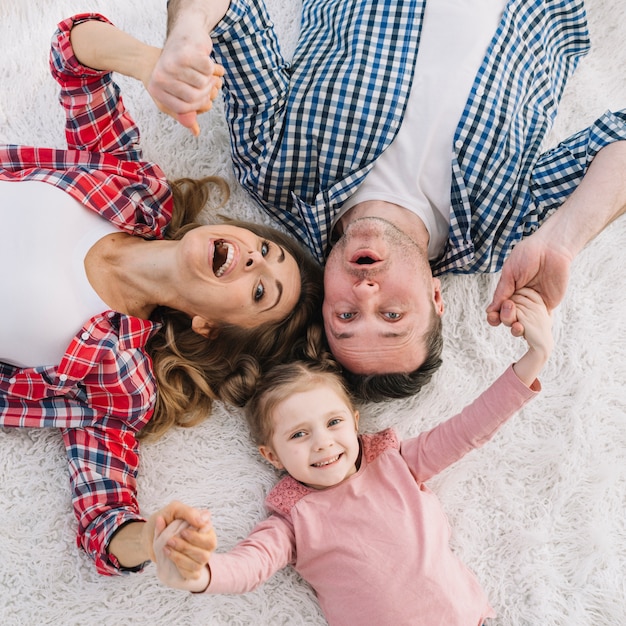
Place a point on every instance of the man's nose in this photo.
(365, 287)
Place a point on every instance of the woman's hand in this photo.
(174, 567)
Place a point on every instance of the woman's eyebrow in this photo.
(279, 287)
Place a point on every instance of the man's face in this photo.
(379, 299)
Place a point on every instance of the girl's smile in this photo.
(315, 437)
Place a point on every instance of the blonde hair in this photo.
(193, 371)
(283, 381)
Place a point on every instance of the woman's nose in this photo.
(254, 259)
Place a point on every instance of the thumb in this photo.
(504, 290)
(159, 526)
(190, 121)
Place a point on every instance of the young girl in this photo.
(354, 516)
(110, 291)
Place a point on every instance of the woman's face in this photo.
(227, 274)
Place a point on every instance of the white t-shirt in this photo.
(45, 235)
(415, 170)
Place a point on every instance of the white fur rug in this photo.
(538, 513)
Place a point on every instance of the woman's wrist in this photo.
(104, 47)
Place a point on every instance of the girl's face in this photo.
(315, 437)
(227, 274)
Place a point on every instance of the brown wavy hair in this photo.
(193, 371)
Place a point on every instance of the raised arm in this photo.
(102, 46)
(542, 261)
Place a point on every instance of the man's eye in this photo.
(345, 316)
(393, 316)
(265, 248)
(259, 292)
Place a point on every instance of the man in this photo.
(410, 165)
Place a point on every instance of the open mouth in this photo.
(223, 255)
(365, 257)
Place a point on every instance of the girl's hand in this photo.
(526, 310)
(535, 320)
(168, 571)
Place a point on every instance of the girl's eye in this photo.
(345, 316)
(297, 435)
(393, 316)
(259, 292)
(335, 421)
(265, 248)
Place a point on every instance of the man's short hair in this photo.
(379, 387)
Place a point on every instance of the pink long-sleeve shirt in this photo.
(376, 547)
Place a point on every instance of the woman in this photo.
(196, 310)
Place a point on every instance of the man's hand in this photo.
(532, 263)
(185, 79)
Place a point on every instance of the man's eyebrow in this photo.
(279, 287)
(385, 335)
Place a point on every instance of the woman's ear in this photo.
(268, 454)
(203, 327)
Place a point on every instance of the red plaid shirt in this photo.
(103, 390)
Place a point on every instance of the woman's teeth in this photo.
(221, 248)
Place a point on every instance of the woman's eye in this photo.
(345, 316)
(393, 316)
(265, 248)
(259, 292)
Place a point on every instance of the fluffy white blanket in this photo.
(538, 513)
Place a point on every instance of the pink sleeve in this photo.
(431, 452)
(267, 549)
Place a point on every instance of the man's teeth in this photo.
(327, 462)
(230, 253)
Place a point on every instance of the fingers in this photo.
(504, 290)
(190, 551)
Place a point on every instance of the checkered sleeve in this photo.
(256, 84)
(560, 170)
(103, 466)
(96, 119)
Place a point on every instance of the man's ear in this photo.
(203, 327)
(437, 297)
(268, 454)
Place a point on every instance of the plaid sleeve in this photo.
(560, 170)
(103, 466)
(96, 119)
(256, 83)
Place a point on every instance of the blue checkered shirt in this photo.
(304, 134)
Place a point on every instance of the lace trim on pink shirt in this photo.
(288, 492)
